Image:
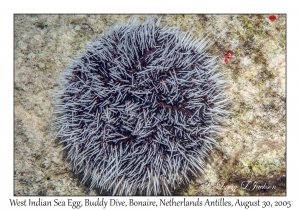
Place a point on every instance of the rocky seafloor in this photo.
(250, 158)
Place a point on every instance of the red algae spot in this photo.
(228, 56)
(272, 18)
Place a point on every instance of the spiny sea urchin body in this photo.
(140, 108)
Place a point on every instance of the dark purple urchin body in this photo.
(140, 108)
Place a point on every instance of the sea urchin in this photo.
(139, 110)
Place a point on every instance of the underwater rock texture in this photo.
(251, 148)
